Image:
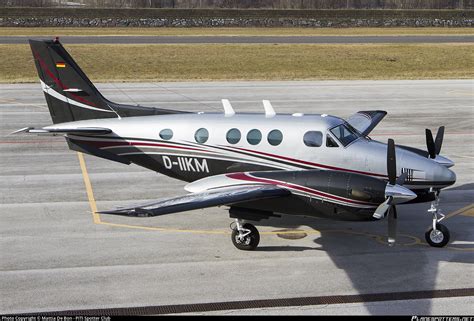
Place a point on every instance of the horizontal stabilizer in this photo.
(365, 121)
(193, 201)
(57, 131)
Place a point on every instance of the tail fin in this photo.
(70, 95)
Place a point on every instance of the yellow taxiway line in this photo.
(465, 211)
(90, 193)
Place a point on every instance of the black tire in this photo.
(250, 242)
(438, 238)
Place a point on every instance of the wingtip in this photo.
(23, 130)
(136, 212)
(112, 212)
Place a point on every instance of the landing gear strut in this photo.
(244, 236)
(438, 234)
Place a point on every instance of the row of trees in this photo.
(251, 4)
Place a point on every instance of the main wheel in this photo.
(249, 242)
(438, 237)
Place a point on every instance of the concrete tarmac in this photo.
(243, 39)
(55, 255)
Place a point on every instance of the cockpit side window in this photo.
(345, 134)
(313, 138)
(330, 142)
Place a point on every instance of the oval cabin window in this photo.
(254, 137)
(201, 136)
(275, 137)
(233, 136)
(166, 134)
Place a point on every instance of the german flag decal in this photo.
(60, 64)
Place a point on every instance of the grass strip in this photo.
(115, 63)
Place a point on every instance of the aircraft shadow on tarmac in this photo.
(465, 187)
(374, 267)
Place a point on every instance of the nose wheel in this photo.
(438, 237)
(438, 234)
(245, 236)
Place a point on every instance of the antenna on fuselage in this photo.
(228, 110)
(269, 111)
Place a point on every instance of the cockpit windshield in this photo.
(345, 133)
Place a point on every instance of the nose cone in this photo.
(449, 176)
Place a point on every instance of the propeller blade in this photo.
(430, 143)
(391, 162)
(439, 140)
(382, 209)
(401, 179)
(392, 225)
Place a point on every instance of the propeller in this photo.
(395, 193)
(434, 145)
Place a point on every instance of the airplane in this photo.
(259, 165)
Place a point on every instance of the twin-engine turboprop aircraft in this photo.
(259, 165)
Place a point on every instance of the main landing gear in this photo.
(438, 234)
(244, 236)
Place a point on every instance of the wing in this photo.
(365, 121)
(214, 197)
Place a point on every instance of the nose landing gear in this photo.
(438, 234)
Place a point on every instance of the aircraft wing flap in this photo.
(208, 198)
(365, 121)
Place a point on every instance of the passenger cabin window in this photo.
(254, 137)
(313, 139)
(233, 136)
(275, 137)
(202, 135)
(345, 134)
(166, 134)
